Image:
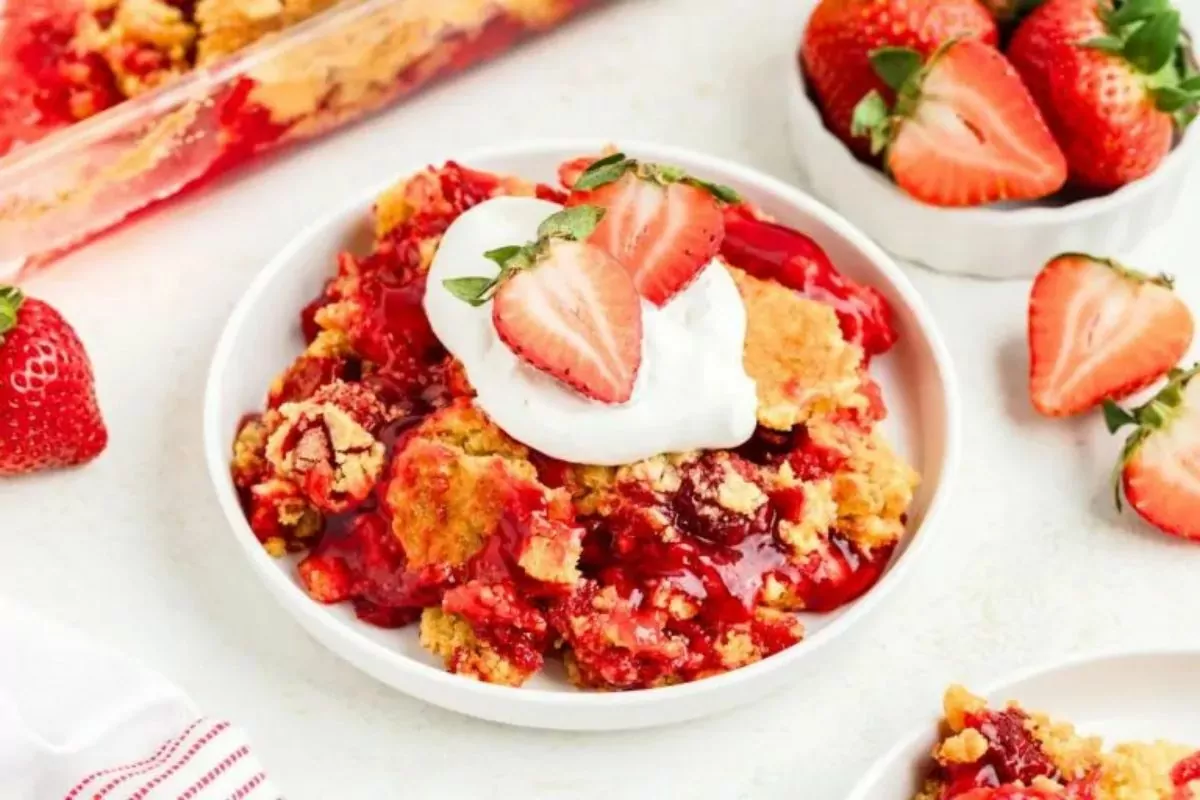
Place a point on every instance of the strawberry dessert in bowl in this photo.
(1015, 130)
(576, 419)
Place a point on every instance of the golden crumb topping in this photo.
(323, 440)
(957, 704)
(445, 503)
(229, 25)
(797, 355)
(456, 478)
(738, 494)
(873, 492)
(549, 556)
(1074, 755)
(1137, 771)
(449, 637)
(820, 512)
(659, 473)
(462, 425)
(145, 43)
(962, 748)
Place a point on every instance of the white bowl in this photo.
(1142, 696)
(262, 337)
(993, 242)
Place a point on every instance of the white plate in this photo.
(1122, 697)
(262, 337)
(992, 241)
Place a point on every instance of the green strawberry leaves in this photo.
(613, 168)
(475, 291)
(606, 170)
(1152, 44)
(573, 224)
(902, 69)
(1131, 11)
(1149, 418)
(896, 65)
(872, 118)
(11, 299)
(1149, 36)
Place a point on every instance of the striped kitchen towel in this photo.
(79, 721)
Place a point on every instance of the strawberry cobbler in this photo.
(1013, 754)
(423, 483)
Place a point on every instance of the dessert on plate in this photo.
(1013, 754)
(626, 423)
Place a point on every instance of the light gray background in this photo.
(1034, 563)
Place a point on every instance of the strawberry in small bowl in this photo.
(1015, 130)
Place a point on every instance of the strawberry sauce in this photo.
(770, 251)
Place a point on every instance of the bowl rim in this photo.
(296, 601)
(1182, 151)
(919, 733)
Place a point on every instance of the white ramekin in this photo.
(994, 242)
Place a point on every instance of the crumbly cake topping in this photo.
(796, 353)
(449, 637)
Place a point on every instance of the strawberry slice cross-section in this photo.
(565, 307)
(662, 224)
(964, 130)
(1159, 469)
(1099, 330)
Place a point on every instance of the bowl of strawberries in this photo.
(1015, 129)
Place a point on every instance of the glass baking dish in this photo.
(309, 79)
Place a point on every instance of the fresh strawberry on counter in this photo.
(565, 306)
(1113, 81)
(1100, 331)
(963, 131)
(841, 35)
(1159, 470)
(48, 412)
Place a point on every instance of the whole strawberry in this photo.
(48, 412)
(841, 34)
(1112, 82)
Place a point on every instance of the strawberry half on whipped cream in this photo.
(603, 333)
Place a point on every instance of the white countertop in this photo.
(1033, 562)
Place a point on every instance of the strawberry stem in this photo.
(575, 224)
(613, 168)
(1150, 418)
(11, 299)
(1148, 35)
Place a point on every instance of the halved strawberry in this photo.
(1098, 330)
(565, 307)
(1160, 465)
(570, 171)
(661, 223)
(964, 130)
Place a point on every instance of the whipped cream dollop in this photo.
(692, 391)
